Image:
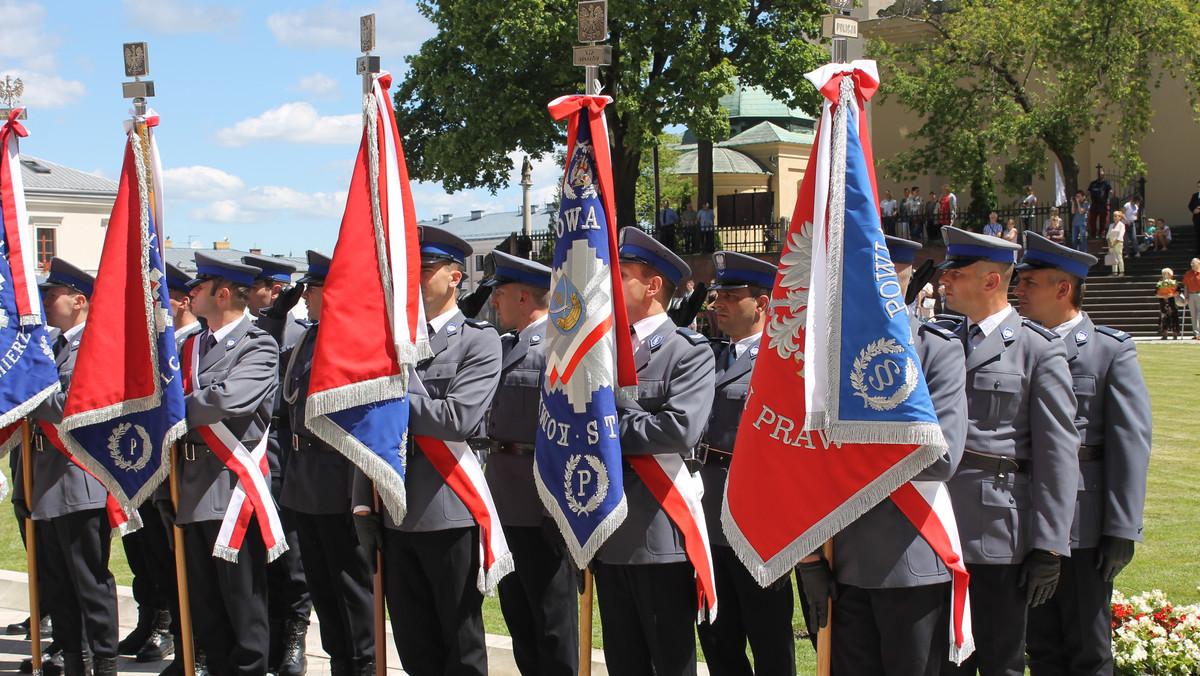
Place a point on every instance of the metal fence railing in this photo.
(762, 238)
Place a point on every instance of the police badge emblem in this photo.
(589, 483)
(1081, 337)
(566, 306)
(1007, 333)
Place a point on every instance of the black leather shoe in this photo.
(17, 628)
(159, 643)
(132, 643)
(105, 666)
(175, 668)
(74, 664)
(293, 661)
(52, 661)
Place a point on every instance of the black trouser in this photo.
(229, 600)
(540, 605)
(436, 609)
(748, 613)
(648, 614)
(79, 590)
(339, 581)
(287, 591)
(1072, 632)
(891, 632)
(148, 551)
(1196, 228)
(998, 618)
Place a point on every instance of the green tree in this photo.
(1016, 79)
(478, 89)
(672, 187)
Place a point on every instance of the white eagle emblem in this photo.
(789, 313)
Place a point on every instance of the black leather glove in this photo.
(687, 310)
(816, 580)
(21, 509)
(473, 302)
(1039, 576)
(1113, 555)
(369, 528)
(284, 302)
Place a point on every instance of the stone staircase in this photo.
(1128, 303)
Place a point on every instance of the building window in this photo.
(47, 247)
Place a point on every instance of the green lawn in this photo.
(1166, 561)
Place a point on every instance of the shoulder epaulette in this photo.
(255, 330)
(304, 323)
(938, 330)
(694, 337)
(1041, 330)
(480, 324)
(953, 319)
(1113, 333)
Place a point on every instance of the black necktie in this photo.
(60, 344)
(209, 343)
(730, 357)
(972, 333)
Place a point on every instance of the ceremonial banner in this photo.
(372, 320)
(27, 371)
(125, 406)
(839, 414)
(589, 356)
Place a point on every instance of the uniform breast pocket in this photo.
(737, 392)
(521, 390)
(1006, 516)
(1084, 386)
(436, 378)
(651, 394)
(1000, 392)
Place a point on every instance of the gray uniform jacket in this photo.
(238, 378)
(883, 548)
(1020, 405)
(317, 477)
(675, 395)
(60, 487)
(461, 380)
(1114, 414)
(281, 432)
(732, 386)
(513, 418)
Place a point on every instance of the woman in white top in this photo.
(1116, 243)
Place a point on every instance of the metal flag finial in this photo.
(137, 66)
(592, 27)
(11, 90)
(367, 65)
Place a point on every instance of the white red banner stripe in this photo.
(16, 221)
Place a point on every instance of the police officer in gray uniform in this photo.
(539, 600)
(891, 586)
(432, 557)
(646, 584)
(288, 602)
(1014, 491)
(238, 375)
(1072, 632)
(748, 612)
(316, 487)
(68, 503)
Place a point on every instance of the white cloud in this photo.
(319, 86)
(180, 16)
(400, 28)
(222, 211)
(27, 51)
(200, 183)
(295, 123)
(307, 206)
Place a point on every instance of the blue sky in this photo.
(260, 107)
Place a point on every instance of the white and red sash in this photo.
(252, 495)
(117, 518)
(458, 466)
(679, 493)
(927, 505)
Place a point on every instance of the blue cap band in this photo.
(658, 262)
(1066, 264)
(748, 277)
(60, 278)
(506, 274)
(442, 249)
(318, 270)
(238, 276)
(177, 284)
(982, 252)
(902, 254)
(282, 276)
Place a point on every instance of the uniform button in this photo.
(1011, 501)
(996, 386)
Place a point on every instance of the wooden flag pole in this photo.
(380, 614)
(185, 607)
(825, 634)
(35, 612)
(585, 625)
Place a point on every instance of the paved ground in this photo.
(14, 605)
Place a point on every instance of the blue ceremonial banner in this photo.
(27, 371)
(125, 405)
(577, 457)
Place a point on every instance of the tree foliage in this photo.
(1014, 79)
(478, 90)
